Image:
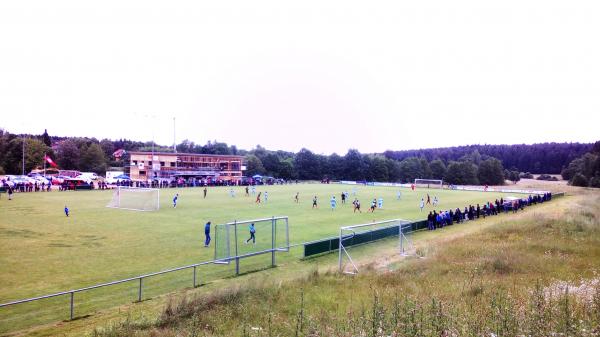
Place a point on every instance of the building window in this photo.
(134, 163)
(142, 173)
(173, 164)
(162, 163)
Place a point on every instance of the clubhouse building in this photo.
(148, 166)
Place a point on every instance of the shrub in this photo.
(595, 181)
(526, 175)
(579, 180)
(546, 177)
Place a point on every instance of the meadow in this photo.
(43, 251)
(534, 273)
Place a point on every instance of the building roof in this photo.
(186, 154)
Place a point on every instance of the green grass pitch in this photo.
(42, 251)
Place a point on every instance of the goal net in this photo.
(429, 183)
(135, 199)
(352, 237)
(235, 240)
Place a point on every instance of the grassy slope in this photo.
(552, 241)
(482, 282)
(42, 251)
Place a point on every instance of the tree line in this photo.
(463, 165)
(549, 158)
(585, 170)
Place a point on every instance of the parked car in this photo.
(88, 175)
(119, 178)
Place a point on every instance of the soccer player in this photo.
(380, 202)
(435, 200)
(373, 205)
(398, 195)
(428, 199)
(343, 198)
(297, 197)
(232, 193)
(356, 204)
(247, 194)
(204, 192)
(66, 211)
(175, 200)
(422, 204)
(258, 198)
(315, 202)
(333, 202)
(207, 234)
(266, 196)
(412, 187)
(252, 233)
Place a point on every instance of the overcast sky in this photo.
(325, 75)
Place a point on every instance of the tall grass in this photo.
(534, 276)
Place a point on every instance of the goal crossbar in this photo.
(149, 203)
(429, 181)
(232, 244)
(381, 230)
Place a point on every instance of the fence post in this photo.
(72, 305)
(273, 241)
(237, 259)
(140, 291)
(400, 235)
(194, 276)
(340, 250)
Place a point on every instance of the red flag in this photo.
(50, 161)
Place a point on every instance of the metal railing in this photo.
(139, 278)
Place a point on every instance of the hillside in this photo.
(532, 273)
(535, 158)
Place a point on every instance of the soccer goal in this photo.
(135, 199)
(429, 183)
(352, 236)
(242, 239)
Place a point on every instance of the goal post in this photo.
(235, 240)
(135, 199)
(354, 235)
(429, 183)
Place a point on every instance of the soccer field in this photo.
(42, 251)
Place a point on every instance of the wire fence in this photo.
(81, 301)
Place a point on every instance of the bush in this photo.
(526, 175)
(579, 180)
(546, 177)
(595, 181)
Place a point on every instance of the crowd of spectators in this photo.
(442, 218)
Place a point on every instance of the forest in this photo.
(473, 164)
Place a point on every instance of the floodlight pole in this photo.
(23, 167)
